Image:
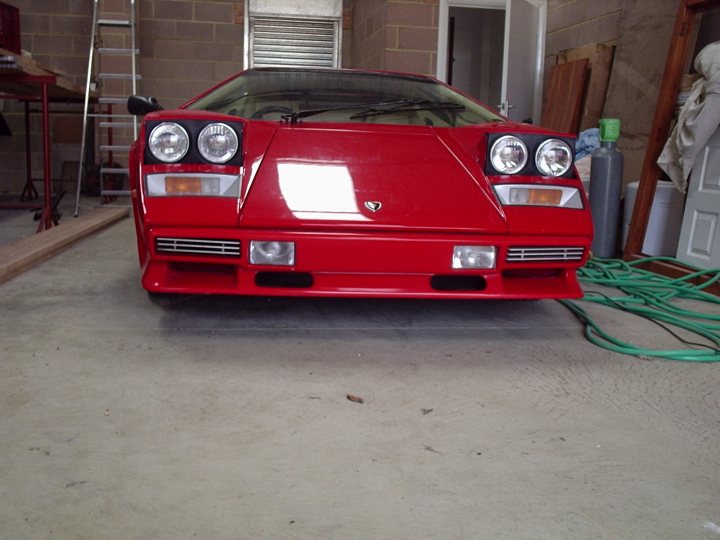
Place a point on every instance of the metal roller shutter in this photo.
(285, 41)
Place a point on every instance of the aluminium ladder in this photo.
(113, 55)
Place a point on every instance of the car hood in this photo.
(381, 177)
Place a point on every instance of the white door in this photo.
(523, 51)
(523, 60)
(700, 233)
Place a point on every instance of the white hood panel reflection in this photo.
(319, 191)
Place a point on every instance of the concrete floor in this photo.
(17, 224)
(228, 417)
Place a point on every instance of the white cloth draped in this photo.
(699, 118)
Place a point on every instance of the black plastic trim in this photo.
(458, 283)
(193, 128)
(287, 280)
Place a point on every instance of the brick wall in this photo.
(412, 34)
(395, 35)
(641, 31)
(188, 44)
(56, 32)
(574, 23)
(369, 23)
(646, 28)
(185, 46)
(402, 34)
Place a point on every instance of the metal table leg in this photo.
(29, 192)
(46, 220)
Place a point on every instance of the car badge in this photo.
(373, 206)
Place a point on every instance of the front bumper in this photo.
(215, 261)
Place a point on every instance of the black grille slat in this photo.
(542, 254)
(198, 246)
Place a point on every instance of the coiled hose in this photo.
(653, 297)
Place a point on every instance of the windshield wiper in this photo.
(409, 106)
(371, 109)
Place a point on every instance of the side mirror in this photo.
(141, 105)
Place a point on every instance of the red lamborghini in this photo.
(351, 183)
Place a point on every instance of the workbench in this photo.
(28, 81)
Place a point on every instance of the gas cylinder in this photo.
(606, 170)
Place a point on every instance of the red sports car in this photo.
(351, 183)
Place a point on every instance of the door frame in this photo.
(444, 21)
(681, 41)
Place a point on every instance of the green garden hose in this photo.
(653, 297)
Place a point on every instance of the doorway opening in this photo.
(476, 39)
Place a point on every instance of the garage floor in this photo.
(229, 418)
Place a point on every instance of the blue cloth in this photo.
(587, 141)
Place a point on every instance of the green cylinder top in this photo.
(609, 129)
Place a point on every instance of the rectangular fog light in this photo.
(473, 257)
(272, 252)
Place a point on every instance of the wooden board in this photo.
(564, 96)
(24, 254)
(643, 43)
(15, 65)
(600, 58)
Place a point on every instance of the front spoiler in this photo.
(362, 265)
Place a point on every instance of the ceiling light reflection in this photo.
(319, 191)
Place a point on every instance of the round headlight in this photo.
(168, 142)
(508, 155)
(217, 143)
(553, 157)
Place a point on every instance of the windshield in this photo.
(343, 96)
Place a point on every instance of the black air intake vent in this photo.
(541, 254)
(198, 246)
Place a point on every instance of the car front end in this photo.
(356, 203)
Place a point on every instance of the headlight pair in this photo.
(169, 142)
(509, 155)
